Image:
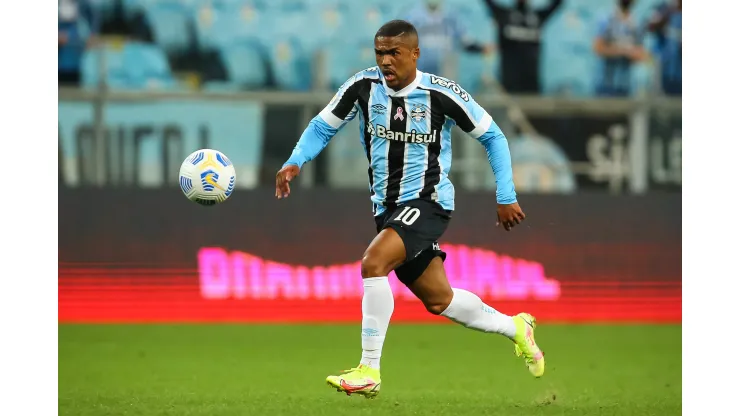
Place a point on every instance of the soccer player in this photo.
(406, 116)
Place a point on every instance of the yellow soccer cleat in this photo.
(524, 344)
(362, 380)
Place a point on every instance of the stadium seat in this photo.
(474, 70)
(291, 65)
(288, 6)
(103, 9)
(362, 21)
(131, 7)
(170, 24)
(479, 24)
(245, 65)
(567, 75)
(340, 6)
(220, 23)
(568, 61)
(132, 66)
(146, 66)
(324, 27)
(281, 23)
(330, 23)
(389, 8)
(90, 66)
(347, 59)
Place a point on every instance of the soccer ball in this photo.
(207, 177)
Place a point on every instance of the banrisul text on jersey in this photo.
(410, 137)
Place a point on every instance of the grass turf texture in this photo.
(189, 370)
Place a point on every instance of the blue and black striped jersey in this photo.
(406, 136)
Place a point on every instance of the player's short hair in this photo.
(395, 28)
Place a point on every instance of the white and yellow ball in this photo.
(207, 177)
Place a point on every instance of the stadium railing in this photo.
(612, 140)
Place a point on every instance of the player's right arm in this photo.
(322, 128)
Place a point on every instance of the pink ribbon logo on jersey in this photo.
(399, 114)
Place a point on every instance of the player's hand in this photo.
(283, 178)
(509, 215)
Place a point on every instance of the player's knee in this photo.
(436, 308)
(439, 305)
(374, 265)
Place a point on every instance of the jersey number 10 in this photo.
(408, 215)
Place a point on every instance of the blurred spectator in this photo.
(666, 24)
(440, 31)
(76, 25)
(519, 38)
(619, 44)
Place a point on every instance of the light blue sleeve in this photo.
(488, 133)
(313, 140)
(322, 128)
(497, 148)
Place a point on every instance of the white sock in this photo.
(469, 310)
(377, 308)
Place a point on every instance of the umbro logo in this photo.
(378, 109)
(370, 332)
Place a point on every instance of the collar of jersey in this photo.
(405, 91)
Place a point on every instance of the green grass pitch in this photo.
(220, 370)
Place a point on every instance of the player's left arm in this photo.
(478, 124)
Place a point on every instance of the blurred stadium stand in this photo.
(233, 45)
(129, 64)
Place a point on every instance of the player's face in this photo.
(396, 58)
